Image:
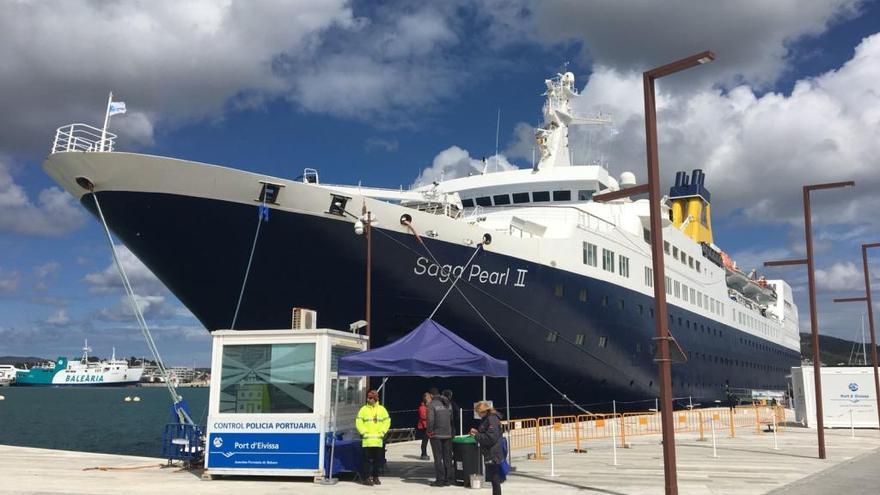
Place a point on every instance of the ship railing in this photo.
(588, 221)
(535, 433)
(82, 137)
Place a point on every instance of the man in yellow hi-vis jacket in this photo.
(372, 423)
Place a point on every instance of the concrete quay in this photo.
(747, 464)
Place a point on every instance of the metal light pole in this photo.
(368, 227)
(814, 321)
(653, 189)
(867, 299)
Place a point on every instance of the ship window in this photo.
(668, 286)
(582, 296)
(651, 312)
(585, 194)
(684, 292)
(666, 247)
(484, 201)
(697, 263)
(559, 291)
(604, 301)
(501, 199)
(690, 261)
(675, 252)
(641, 309)
(649, 277)
(603, 342)
(646, 235)
(561, 195)
(705, 301)
(623, 265)
(638, 349)
(285, 383)
(552, 336)
(621, 304)
(467, 203)
(521, 197)
(677, 290)
(608, 260)
(683, 257)
(693, 293)
(540, 196)
(269, 193)
(579, 339)
(590, 254)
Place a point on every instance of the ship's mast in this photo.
(552, 137)
(86, 350)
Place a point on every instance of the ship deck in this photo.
(747, 464)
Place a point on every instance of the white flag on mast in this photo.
(116, 107)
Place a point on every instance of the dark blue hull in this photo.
(594, 348)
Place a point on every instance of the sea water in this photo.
(93, 419)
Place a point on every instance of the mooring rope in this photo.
(263, 213)
(491, 327)
(139, 316)
(452, 286)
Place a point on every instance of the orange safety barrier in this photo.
(536, 432)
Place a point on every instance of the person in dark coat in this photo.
(440, 433)
(422, 425)
(488, 436)
(456, 411)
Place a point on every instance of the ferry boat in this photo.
(63, 372)
(7, 374)
(564, 282)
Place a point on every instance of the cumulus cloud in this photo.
(8, 281)
(757, 151)
(751, 38)
(59, 318)
(54, 213)
(456, 162)
(143, 281)
(152, 307)
(47, 269)
(169, 61)
(841, 276)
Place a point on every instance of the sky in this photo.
(396, 93)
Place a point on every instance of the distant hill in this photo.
(834, 351)
(29, 360)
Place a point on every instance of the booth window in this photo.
(268, 378)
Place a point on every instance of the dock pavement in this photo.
(747, 464)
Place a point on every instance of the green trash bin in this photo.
(467, 459)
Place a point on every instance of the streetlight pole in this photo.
(867, 299)
(814, 320)
(652, 187)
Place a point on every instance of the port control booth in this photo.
(848, 399)
(269, 411)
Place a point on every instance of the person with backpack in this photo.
(422, 425)
(489, 437)
(440, 433)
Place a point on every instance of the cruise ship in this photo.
(83, 372)
(564, 282)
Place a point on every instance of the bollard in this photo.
(538, 453)
(577, 433)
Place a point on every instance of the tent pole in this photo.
(484, 388)
(330, 479)
(509, 420)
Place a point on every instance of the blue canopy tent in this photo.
(429, 350)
